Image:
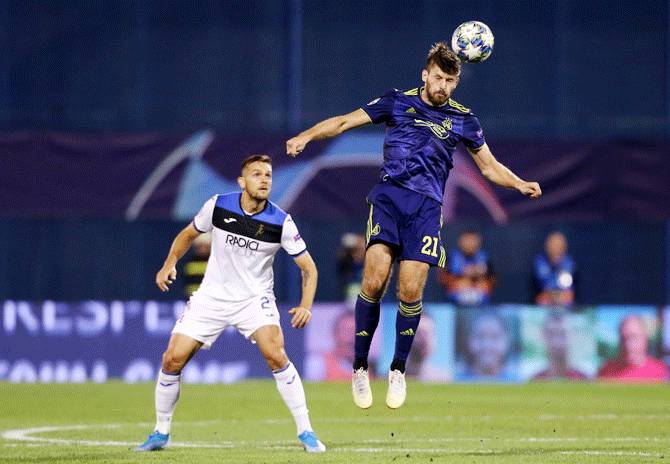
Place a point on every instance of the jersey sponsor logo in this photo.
(362, 333)
(409, 331)
(240, 245)
(229, 220)
(260, 230)
(410, 110)
(439, 130)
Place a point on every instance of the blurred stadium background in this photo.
(118, 119)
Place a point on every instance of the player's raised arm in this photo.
(180, 246)
(302, 314)
(325, 129)
(500, 174)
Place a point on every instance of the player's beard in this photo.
(437, 97)
(259, 195)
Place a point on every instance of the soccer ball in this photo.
(472, 41)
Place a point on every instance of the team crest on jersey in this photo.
(441, 131)
(259, 231)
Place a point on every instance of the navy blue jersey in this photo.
(421, 139)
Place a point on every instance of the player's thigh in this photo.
(412, 277)
(180, 350)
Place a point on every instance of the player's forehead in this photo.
(258, 167)
(435, 70)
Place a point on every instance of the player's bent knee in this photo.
(276, 358)
(173, 362)
(374, 287)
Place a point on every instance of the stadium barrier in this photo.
(95, 341)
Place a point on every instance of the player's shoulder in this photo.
(272, 214)
(229, 201)
(455, 106)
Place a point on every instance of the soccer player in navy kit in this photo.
(237, 290)
(423, 127)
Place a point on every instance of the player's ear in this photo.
(424, 75)
(241, 182)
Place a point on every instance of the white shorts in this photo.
(203, 323)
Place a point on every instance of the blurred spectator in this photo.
(632, 363)
(488, 345)
(554, 275)
(425, 344)
(557, 344)
(339, 360)
(350, 259)
(194, 267)
(468, 277)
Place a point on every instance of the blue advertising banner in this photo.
(94, 340)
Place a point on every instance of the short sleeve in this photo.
(473, 135)
(203, 220)
(291, 240)
(381, 109)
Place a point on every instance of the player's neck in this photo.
(250, 205)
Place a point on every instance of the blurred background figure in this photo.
(555, 273)
(350, 258)
(425, 344)
(557, 342)
(338, 361)
(633, 363)
(468, 277)
(194, 267)
(488, 343)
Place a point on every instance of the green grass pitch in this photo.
(247, 422)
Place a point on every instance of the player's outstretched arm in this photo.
(302, 314)
(498, 173)
(325, 129)
(180, 245)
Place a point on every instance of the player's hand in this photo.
(164, 277)
(295, 145)
(530, 188)
(301, 316)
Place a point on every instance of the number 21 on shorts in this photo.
(430, 245)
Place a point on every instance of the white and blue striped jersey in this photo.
(243, 248)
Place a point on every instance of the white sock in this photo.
(167, 395)
(291, 390)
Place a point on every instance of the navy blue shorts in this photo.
(406, 221)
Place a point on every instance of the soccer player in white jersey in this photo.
(237, 290)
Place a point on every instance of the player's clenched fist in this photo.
(295, 145)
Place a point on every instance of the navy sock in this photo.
(367, 319)
(406, 323)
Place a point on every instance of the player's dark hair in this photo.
(441, 55)
(254, 158)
